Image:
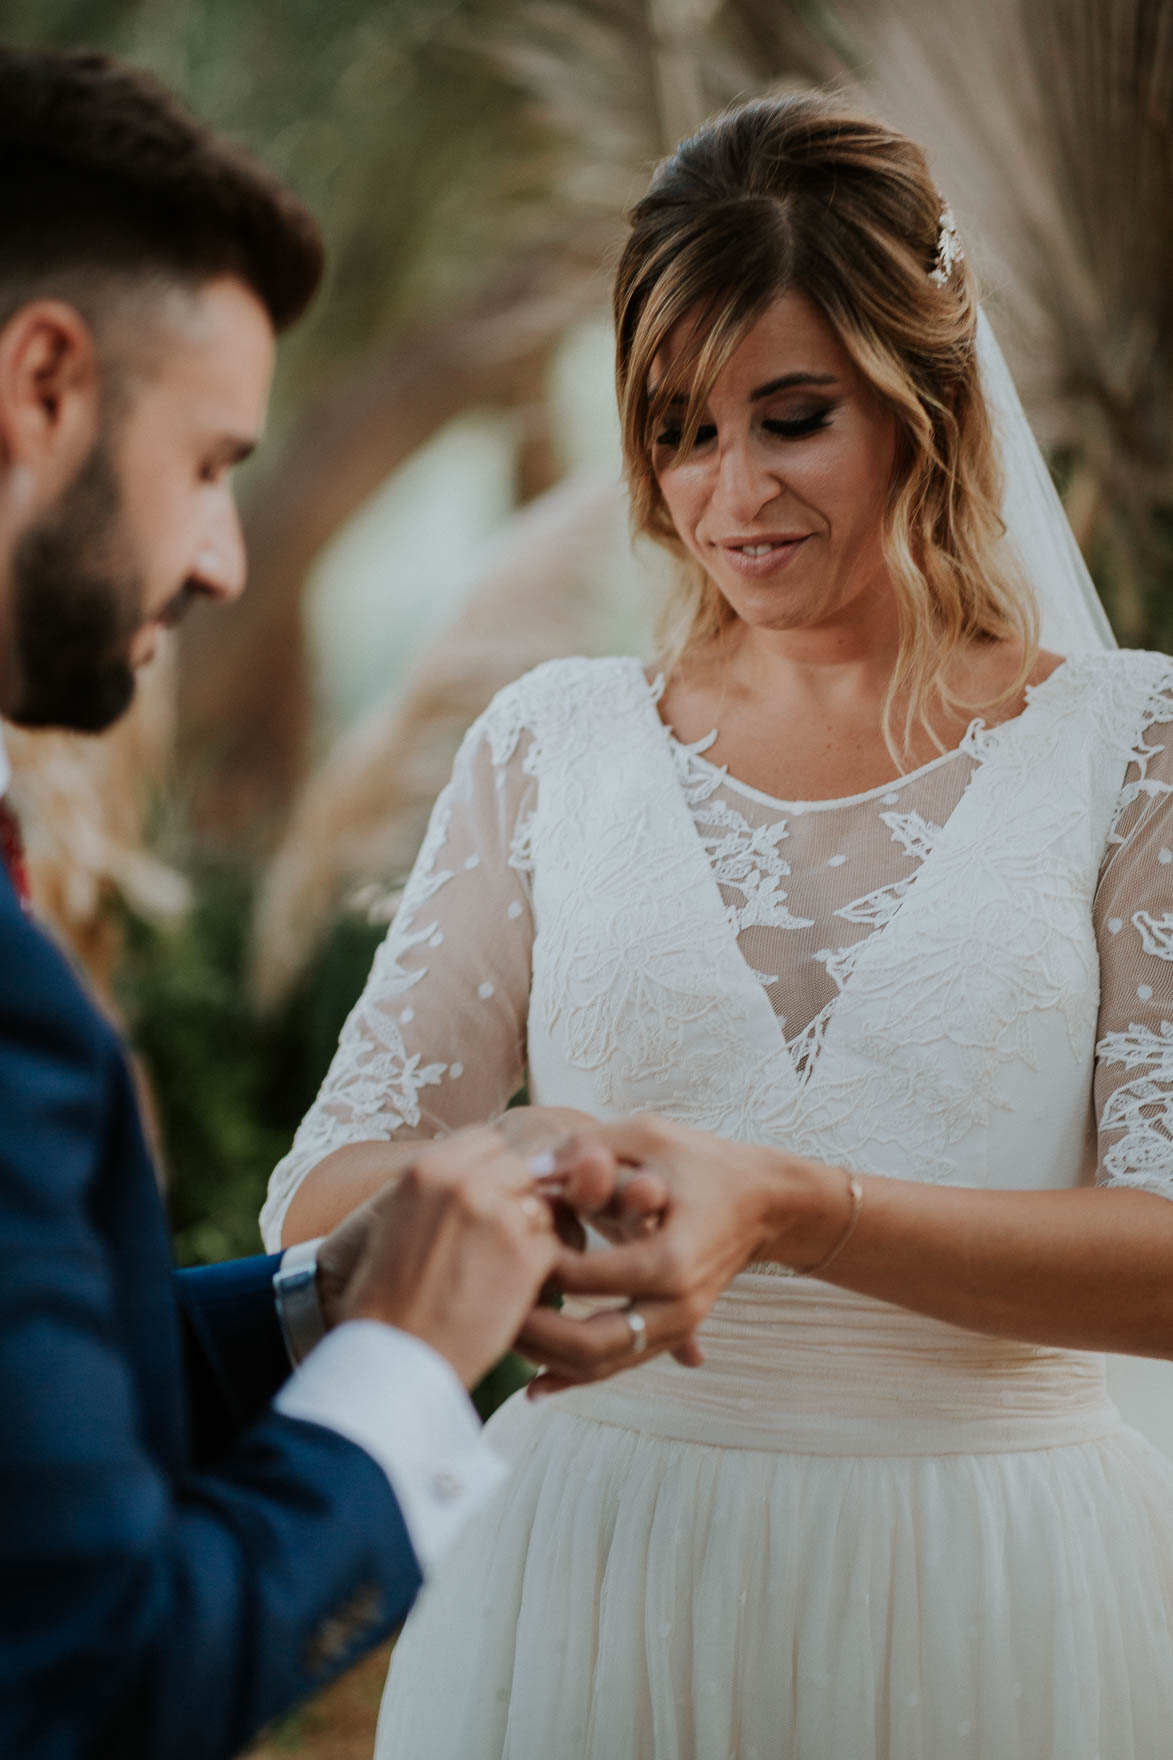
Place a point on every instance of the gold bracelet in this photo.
(855, 1190)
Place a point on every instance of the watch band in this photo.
(295, 1292)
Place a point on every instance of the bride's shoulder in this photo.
(570, 687)
(1115, 670)
(1121, 691)
(576, 696)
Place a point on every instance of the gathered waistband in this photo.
(806, 1368)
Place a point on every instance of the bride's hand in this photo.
(580, 1176)
(528, 1130)
(725, 1205)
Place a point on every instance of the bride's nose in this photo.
(745, 481)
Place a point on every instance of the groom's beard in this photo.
(73, 620)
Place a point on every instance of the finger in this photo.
(508, 1173)
(466, 1152)
(632, 1139)
(641, 1193)
(546, 1382)
(542, 1254)
(689, 1354)
(586, 1177)
(568, 1228)
(601, 1343)
(560, 1372)
(538, 1214)
(549, 1335)
(639, 1206)
(476, 1141)
(637, 1268)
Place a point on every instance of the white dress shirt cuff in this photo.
(403, 1403)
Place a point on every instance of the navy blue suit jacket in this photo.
(178, 1563)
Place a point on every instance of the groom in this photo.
(191, 1536)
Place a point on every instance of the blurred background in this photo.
(437, 506)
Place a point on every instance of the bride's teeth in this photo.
(756, 549)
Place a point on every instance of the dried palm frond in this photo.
(83, 804)
(1051, 125)
(244, 674)
(614, 84)
(543, 592)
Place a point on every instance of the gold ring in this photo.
(638, 1328)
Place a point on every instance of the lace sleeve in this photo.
(437, 1038)
(1134, 930)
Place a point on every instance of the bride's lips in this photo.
(757, 557)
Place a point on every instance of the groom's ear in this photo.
(50, 392)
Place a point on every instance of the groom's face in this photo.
(148, 523)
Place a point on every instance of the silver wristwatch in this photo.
(295, 1291)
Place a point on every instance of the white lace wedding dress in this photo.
(855, 1533)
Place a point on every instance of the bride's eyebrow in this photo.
(787, 382)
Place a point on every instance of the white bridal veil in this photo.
(1072, 620)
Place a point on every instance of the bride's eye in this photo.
(794, 427)
(670, 438)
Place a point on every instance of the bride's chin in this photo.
(773, 611)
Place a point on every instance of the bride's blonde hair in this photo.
(803, 194)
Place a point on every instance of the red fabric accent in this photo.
(12, 852)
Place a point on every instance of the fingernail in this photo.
(543, 1164)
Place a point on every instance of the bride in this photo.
(869, 897)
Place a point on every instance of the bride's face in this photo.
(781, 500)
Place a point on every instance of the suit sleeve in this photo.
(149, 1610)
(234, 1353)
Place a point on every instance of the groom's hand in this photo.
(455, 1253)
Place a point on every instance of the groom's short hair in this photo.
(106, 179)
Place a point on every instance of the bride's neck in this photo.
(827, 671)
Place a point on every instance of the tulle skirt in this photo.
(854, 1535)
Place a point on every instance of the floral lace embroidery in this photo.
(1136, 1119)
(912, 832)
(749, 867)
(744, 858)
(1141, 1108)
(1141, 790)
(1156, 933)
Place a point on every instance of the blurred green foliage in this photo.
(230, 1083)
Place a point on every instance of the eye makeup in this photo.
(784, 427)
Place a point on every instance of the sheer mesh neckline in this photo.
(695, 750)
(881, 792)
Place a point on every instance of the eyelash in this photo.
(796, 430)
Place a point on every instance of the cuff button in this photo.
(446, 1487)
